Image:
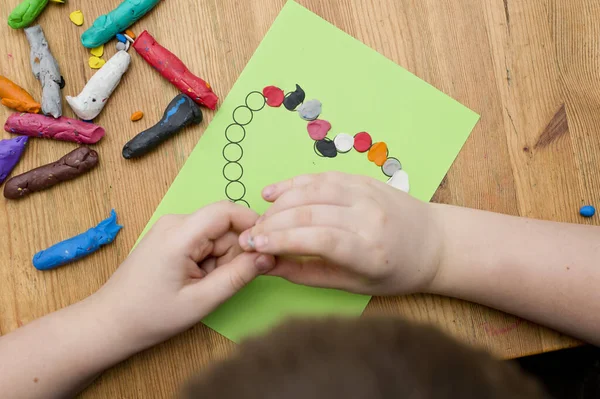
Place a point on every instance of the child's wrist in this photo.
(439, 247)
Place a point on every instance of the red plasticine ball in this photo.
(362, 142)
(274, 96)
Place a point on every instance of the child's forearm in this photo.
(546, 272)
(58, 355)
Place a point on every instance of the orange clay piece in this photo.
(137, 115)
(130, 33)
(378, 153)
(15, 97)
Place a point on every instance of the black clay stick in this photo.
(179, 113)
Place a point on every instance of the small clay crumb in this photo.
(130, 33)
(137, 115)
(526, 149)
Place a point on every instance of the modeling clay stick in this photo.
(174, 70)
(105, 27)
(70, 166)
(25, 13)
(15, 97)
(45, 68)
(79, 246)
(89, 103)
(10, 153)
(63, 128)
(180, 112)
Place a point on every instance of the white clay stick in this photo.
(46, 70)
(89, 103)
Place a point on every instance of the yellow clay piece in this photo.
(96, 63)
(98, 51)
(76, 17)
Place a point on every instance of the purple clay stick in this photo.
(10, 153)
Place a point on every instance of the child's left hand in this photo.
(184, 268)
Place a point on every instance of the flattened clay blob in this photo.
(326, 148)
(274, 96)
(362, 142)
(391, 166)
(400, 181)
(343, 142)
(294, 99)
(318, 129)
(378, 153)
(310, 110)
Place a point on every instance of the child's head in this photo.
(365, 358)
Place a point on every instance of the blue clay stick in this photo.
(105, 27)
(79, 246)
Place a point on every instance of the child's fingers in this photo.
(333, 244)
(272, 192)
(313, 272)
(224, 281)
(200, 229)
(318, 193)
(307, 215)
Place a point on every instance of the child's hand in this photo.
(348, 232)
(182, 270)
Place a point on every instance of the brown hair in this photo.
(363, 358)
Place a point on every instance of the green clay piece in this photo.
(25, 13)
(105, 27)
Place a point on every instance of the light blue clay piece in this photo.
(79, 246)
(310, 110)
(106, 27)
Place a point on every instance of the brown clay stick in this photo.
(70, 166)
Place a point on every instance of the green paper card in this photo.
(360, 91)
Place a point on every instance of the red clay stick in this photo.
(65, 129)
(174, 70)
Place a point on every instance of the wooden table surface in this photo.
(514, 62)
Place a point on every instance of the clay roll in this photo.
(90, 102)
(180, 112)
(46, 70)
(15, 97)
(174, 70)
(63, 128)
(79, 246)
(70, 166)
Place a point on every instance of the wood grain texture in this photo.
(514, 62)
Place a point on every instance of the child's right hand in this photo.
(349, 232)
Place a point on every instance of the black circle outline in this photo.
(246, 101)
(241, 149)
(386, 161)
(232, 141)
(251, 115)
(235, 199)
(242, 200)
(241, 167)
